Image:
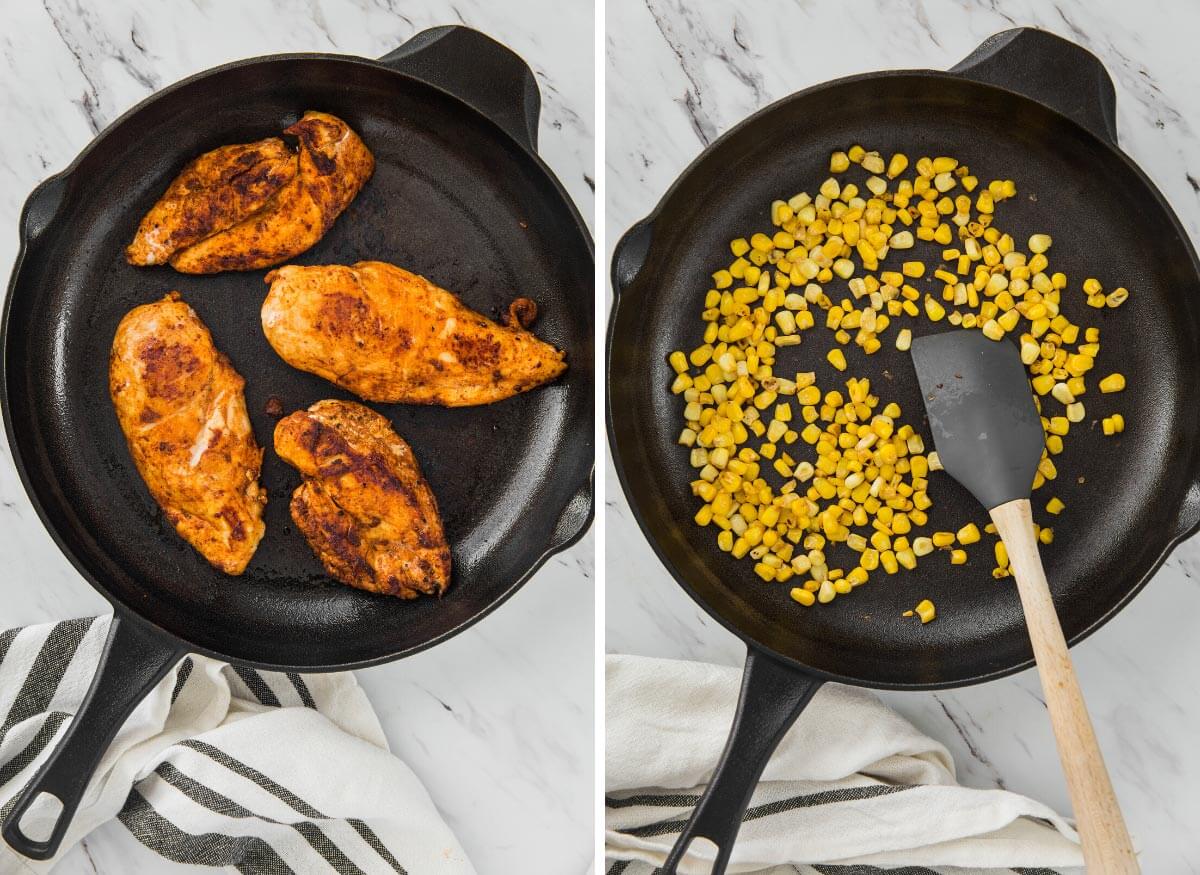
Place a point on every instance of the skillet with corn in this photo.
(863, 489)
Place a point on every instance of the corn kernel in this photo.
(1112, 383)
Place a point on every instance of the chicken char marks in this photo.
(364, 506)
(391, 336)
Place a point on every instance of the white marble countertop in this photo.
(498, 722)
(679, 74)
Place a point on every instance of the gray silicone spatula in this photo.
(988, 435)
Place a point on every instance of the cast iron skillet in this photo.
(1026, 105)
(459, 195)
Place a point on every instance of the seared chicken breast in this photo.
(182, 408)
(255, 205)
(389, 335)
(364, 506)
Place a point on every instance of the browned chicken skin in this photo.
(364, 506)
(251, 206)
(182, 409)
(389, 335)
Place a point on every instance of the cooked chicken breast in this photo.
(217, 190)
(364, 506)
(255, 205)
(389, 335)
(183, 411)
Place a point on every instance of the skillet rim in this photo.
(130, 612)
(1184, 528)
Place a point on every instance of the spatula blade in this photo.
(986, 429)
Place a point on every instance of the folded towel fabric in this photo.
(258, 771)
(852, 789)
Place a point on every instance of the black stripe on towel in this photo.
(618, 867)
(829, 797)
(1036, 871)
(6, 640)
(368, 836)
(221, 804)
(36, 745)
(301, 689)
(249, 854)
(257, 685)
(282, 793)
(47, 671)
(181, 677)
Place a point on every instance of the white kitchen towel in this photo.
(852, 789)
(253, 771)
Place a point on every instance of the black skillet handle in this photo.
(42, 206)
(133, 661)
(773, 695)
(630, 254)
(477, 70)
(1049, 69)
(576, 517)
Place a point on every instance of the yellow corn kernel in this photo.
(1046, 536)
(1039, 243)
(1092, 286)
(926, 610)
(837, 358)
(1112, 383)
(968, 534)
(1001, 554)
(1054, 506)
(802, 596)
(934, 310)
(958, 557)
(897, 165)
(839, 162)
(1116, 297)
(826, 593)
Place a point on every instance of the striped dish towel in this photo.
(853, 789)
(224, 766)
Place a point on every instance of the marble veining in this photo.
(497, 722)
(678, 75)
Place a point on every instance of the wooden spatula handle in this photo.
(1107, 849)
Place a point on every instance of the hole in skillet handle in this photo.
(773, 695)
(135, 658)
(1050, 70)
(487, 76)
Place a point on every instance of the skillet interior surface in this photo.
(452, 198)
(1106, 222)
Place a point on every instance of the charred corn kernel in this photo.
(837, 358)
(1054, 506)
(958, 557)
(968, 534)
(802, 596)
(926, 610)
(839, 162)
(1112, 383)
